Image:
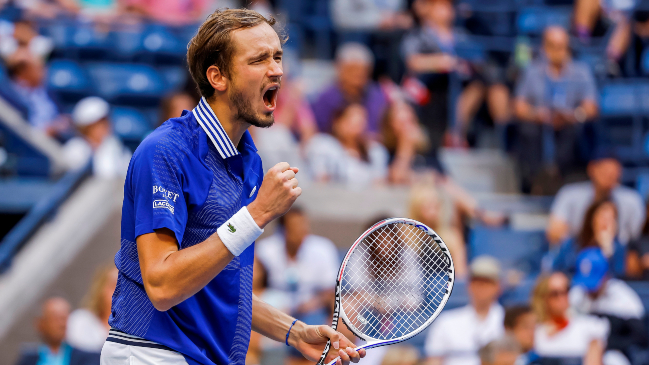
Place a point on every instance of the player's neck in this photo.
(234, 128)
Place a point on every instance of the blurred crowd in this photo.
(406, 85)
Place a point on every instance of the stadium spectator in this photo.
(27, 74)
(600, 230)
(51, 325)
(97, 142)
(572, 202)
(22, 34)
(348, 156)
(553, 98)
(595, 292)
(503, 351)
(638, 44)
(429, 55)
(404, 139)
(560, 333)
(520, 325)
(457, 334)
(88, 326)
(300, 270)
(433, 207)
(605, 18)
(172, 105)
(354, 64)
(370, 15)
(638, 253)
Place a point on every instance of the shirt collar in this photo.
(214, 130)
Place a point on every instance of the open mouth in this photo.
(270, 97)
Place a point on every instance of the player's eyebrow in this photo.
(266, 54)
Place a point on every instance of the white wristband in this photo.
(239, 232)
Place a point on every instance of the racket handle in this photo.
(325, 352)
(365, 346)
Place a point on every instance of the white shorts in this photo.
(114, 353)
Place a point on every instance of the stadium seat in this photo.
(520, 250)
(520, 293)
(160, 46)
(79, 41)
(130, 125)
(533, 20)
(620, 120)
(68, 80)
(127, 84)
(174, 76)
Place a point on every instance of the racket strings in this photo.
(394, 281)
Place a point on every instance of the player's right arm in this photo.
(171, 275)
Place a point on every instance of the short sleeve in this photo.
(157, 190)
(523, 88)
(436, 345)
(598, 328)
(561, 205)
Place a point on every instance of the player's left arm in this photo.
(309, 340)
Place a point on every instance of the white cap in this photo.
(89, 110)
(485, 267)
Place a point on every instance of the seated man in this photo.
(354, 64)
(595, 292)
(457, 335)
(109, 156)
(27, 74)
(554, 95)
(572, 201)
(504, 351)
(51, 326)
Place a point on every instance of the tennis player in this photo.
(194, 203)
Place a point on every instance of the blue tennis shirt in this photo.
(189, 177)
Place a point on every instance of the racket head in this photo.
(395, 300)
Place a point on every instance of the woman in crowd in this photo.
(560, 333)
(404, 139)
(600, 230)
(88, 326)
(348, 156)
(432, 206)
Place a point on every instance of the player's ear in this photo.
(216, 78)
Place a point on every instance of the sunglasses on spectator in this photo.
(557, 293)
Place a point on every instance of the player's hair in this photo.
(514, 313)
(212, 44)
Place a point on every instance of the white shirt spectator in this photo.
(458, 334)
(327, 157)
(573, 200)
(617, 299)
(314, 269)
(572, 341)
(110, 160)
(85, 331)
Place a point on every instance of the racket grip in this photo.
(325, 352)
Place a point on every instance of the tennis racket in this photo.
(392, 284)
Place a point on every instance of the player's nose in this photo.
(275, 69)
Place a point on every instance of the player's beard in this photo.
(243, 110)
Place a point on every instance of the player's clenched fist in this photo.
(277, 193)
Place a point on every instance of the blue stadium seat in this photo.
(160, 46)
(78, 41)
(130, 125)
(520, 250)
(459, 296)
(174, 76)
(68, 80)
(619, 99)
(128, 84)
(519, 294)
(533, 20)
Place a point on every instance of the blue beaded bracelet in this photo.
(289, 331)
